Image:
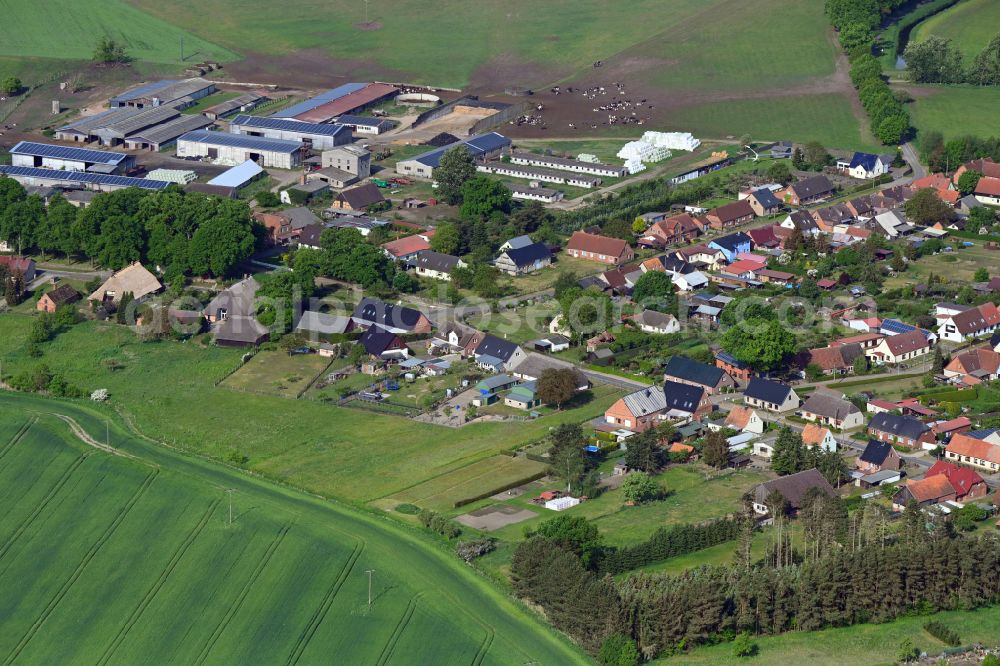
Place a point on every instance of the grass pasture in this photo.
(955, 110)
(29, 29)
(494, 473)
(123, 557)
(970, 25)
(277, 373)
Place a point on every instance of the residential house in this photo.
(651, 321)
(743, 268)
(763, 237)
(638, 411)
(516, 243)
(967, 450)
(793, 488)
(524, 396)
(832, 360)
(702, 256)
(731, 215)
(676, 229)
(321, 326)
(524, 259)
(551, 344)
(900, 430)
(988, 191)
(763, 202)
(814, 435)
(927, 491)
(383, 344)
(985, 166)
(972, 323)
(782, 150)
(967, 483)
(407, 248)
(946, 429)
(975, 366)
(745, 419)
(496, 354)
(604, 249)
(733, 367)
(50, 301)
(687, 371)
(435, 265)
(458, 338)
(866, 166)
(770, 395)
(686, 401)
(285, 225)
(233, 313)
(358, 198)
(893, 224)
(878, 456)
(732, 245)
(808, 190)
(134, 279)
(690, 281)
(895, 349)
(23, 265)
(832, 409)
(801, 220)
(392, 318)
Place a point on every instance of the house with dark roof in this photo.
(524, 259)
(687, 371)
(732, 245)
(685, 401)
(894, 349)
(595, 247)
(807, 191)
(435, 265)
(829, 408)
(497, 355)
(358, 198)
(763, 202)
(972, 323)
(801, 220)
(393, 318)
(321, 326)
(866, 166)
(730, 215)
(770, 395)
(733, 367)
(383, 344)
(900, 430)
(50, 301)
(878, 456)
(644, 409)
(793, 488)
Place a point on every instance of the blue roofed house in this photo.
(866, 166)
(732, 245)
(524, 259)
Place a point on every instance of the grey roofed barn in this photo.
(262, 122)
(794, 487)
(685, 368)
(241, 141)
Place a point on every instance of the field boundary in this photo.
(87, 558)
(320, 613)
(243, 594)
(159, 583)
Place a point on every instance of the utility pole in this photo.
(182, 48)
(230, 491)
(107, 434)
(366, 12)
(369, 572)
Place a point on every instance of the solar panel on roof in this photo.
(241, 141)
(896, 326)
(286, 125)
(143, 90)
(83, 177)
(319, 100)
(66, 153)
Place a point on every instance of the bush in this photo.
(470, 550)
(618, 650)
(408, 509)
(907, 651)
(943, 633)
(744, 646)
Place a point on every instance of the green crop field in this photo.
(970, 25)
(70, 30)
(133, 557)
(956, 110)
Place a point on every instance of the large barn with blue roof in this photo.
(319, 136)
(481, 147)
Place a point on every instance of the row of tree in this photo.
(842, 586)
(185, 234)
(937, 60)
(947, 156)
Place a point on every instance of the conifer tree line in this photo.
(849, 571)
(183, 233)
(667, 542)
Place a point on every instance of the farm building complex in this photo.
(234, 149)
(320, 136)
(48, 156)
(172, 93)
(480, 147)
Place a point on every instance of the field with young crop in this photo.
(70, 30)
(132, 555)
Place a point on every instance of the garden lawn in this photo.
(955, 110)
(970, 25)
(29, 29)
(277, 373)
(133, 555)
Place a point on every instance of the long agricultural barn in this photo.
(348, 98)
(366, 124)
(320, 136)
(161, 136)
(169, 92)
(539, 174)
(562, 164)
(235, 149)
(93, 181)
(242, 104)
(111, 127)
(481, 147)
(50, 156)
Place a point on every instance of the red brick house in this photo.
(677, 229)
(807, 191)
(604, 249)
(878, 456)
(967, 483)
(730, 215)
(61, 295)
(925, 492)
(736, 369)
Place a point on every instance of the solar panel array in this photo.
(66, 153)
(82, 177)
(143, 90)
(477, 145)
(319, 100)
(896, 327)
(285, 125)
(241, 141)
